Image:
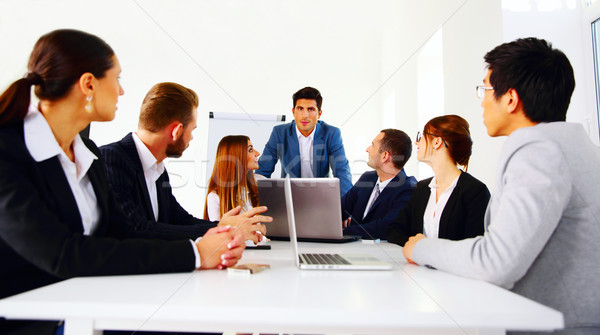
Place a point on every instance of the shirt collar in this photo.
(432, 183)
(299, 134)
(83, 157)
(39, 138)
(383, 184)
(146, 157)
(433, 186)
(42, 144)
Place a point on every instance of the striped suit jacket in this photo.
(125, 175)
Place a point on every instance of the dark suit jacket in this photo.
(384, 210)
(461, 218)
(125, 175)
(328, 152)
(41, 234)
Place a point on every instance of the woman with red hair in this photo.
(232, 181)
(452, 203)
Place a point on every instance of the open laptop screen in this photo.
(317, 207)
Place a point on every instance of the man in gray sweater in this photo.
(542, 236)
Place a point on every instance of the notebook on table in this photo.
(317, 209)
(325, 261)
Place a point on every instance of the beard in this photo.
(176, 149)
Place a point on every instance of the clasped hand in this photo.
(220, 247)
(248, 222)
(223, 245)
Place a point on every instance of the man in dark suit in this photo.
(378, 196)
(307, 147)
(135, 167)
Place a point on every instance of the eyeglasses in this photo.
(481, 91)
(419, 136)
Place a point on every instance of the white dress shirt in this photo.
(433, 212)
(213, 207)
(306, 153)
(382, 185)
(42, 145)
(152, 171)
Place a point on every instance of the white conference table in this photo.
(407, 300)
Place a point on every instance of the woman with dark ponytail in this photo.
(58, 218)
(452, 203)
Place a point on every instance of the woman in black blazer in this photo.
(451, 204)
(58, 218)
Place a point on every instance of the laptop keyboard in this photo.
(333, 259)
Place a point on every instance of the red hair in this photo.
(231, 180)
(454, 130)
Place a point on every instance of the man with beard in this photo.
(135, 169)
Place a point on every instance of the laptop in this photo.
(317, 208)
(325, 261)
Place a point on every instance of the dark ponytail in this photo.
(14, 102)
(57, 61)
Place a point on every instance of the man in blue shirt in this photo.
(307, 147)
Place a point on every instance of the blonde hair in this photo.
(167, 102)
(231, 180)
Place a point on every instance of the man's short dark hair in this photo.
(309, 93)
(541, 75)
(165, 103)
(398, 144)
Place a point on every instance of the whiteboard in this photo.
(256, 126)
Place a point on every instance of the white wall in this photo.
(442, 74)
(250, 56)
(472, 31)
(564, 23)
(239, 56)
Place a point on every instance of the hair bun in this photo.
(34, 78)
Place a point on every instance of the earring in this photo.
(88, 106)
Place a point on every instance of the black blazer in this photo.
(125, 175)
(461, 218)
(41, 234)
(384, 210)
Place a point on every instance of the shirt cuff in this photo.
(196, 253)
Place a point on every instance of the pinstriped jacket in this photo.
(125, 175)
